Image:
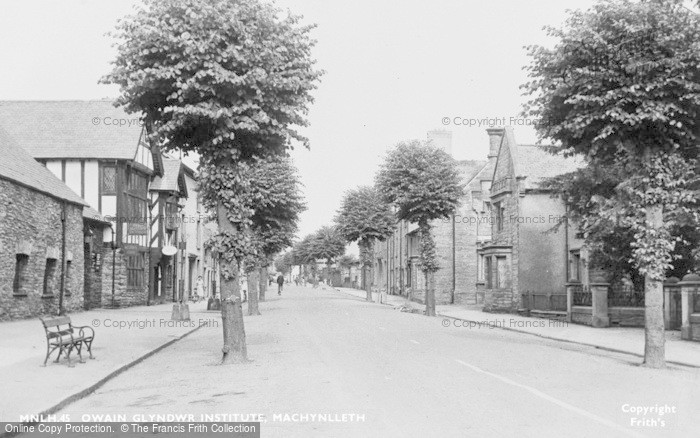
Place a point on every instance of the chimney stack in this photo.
(495, 137)
(441, 139)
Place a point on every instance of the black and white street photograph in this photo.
(377, 218)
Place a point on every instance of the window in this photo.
(501, 272)
(50, 277)
(135, 267)
(169, 276)
(480, 268)
(21, 268)
(109, 180)
(499, 212)
(489, 272)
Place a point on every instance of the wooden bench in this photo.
(61, 335)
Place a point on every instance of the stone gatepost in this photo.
(671, 287)
(690, 286)
(570, 287)
(599, 297)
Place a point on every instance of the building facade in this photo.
(103, 155)
(527, 253)
(41, 239)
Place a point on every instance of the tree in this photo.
(622, 88)
(327, 244)
(423, 183)
(277, 203)
(229, 81)
(364, 217)
(588, 189)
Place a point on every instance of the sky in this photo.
(394, 70)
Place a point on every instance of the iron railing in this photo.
(625, 296)
(582, 295)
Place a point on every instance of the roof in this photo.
(469, 169)
(90, 213)
(534, 163)
(173, 179)
(18, 166)
(72, 128)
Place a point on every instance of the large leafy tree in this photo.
(364, 217)
(277, 203)
(591, 188)
(622, 87)
(423, 183)
(327, 244)
(230, 81)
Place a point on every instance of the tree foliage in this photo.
(364, 216)
(277, 203)
(423, 183)
(622, 88)
(230, 81)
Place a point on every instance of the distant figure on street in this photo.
(199, 287)
(280, 283)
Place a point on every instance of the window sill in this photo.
(48, 296)
(19, 295)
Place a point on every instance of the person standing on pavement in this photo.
(280, 283)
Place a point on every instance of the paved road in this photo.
(401, 375)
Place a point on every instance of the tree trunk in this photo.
(429, 293)
(263, 282)
(234, 349)
(654, 337)
(428, 265)
(253, 286)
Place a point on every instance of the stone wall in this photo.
(122, 296)
(30, 224)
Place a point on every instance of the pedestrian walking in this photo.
(199, 287)
(280, 283)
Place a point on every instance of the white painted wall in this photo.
(55, 167)
(92, 183)
(73, 175)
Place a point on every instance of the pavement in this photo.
(325, 363)
(629, 340)
(123, 337)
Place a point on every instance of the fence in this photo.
(625, 296)
(582, 295)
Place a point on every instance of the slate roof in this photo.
(534, 163)
(173, 179)
(18, 166)
(469, 169)
(90, 213)
(71, 128)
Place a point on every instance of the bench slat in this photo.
(53, 322)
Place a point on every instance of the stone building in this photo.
(527, 254)
(41, 238)
(102, 154)
(458, 239)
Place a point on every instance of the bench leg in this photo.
(48, 353)
(88, 344)
(79, 347)
(70, 348)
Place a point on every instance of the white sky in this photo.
(395, 69)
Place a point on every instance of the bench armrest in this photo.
(81, 331)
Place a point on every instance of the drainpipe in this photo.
(566, 244)
(114, 258)
(63, 258)
(454, 259)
